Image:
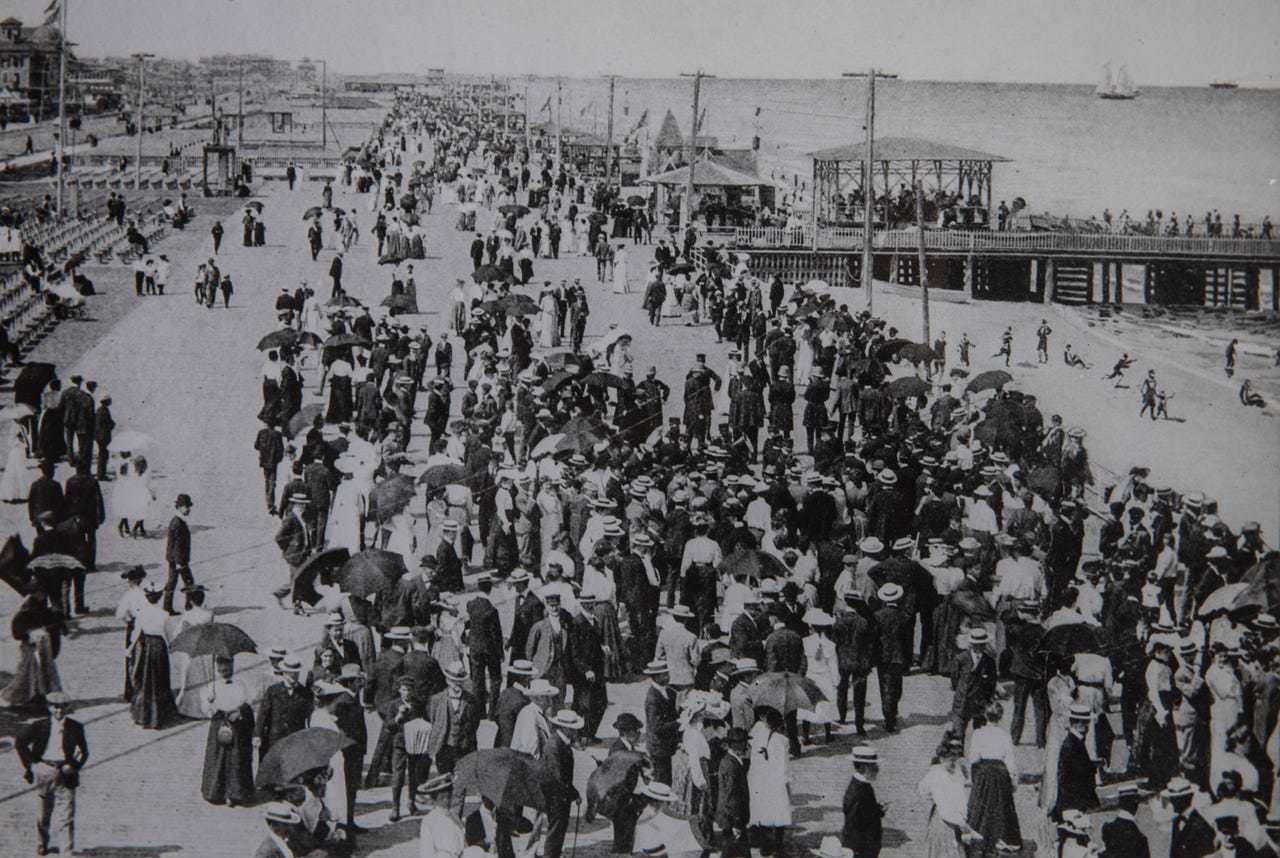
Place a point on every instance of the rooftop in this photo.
(904, 149)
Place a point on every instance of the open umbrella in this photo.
(278, 339)
(131, 440)
(1221, 599)
(901, 388)
(555, 381)
(916, 353)
(52, 570)
(581, 435)
(342, 300)
(54, 561)
(31, 382)
(215, 639)
(1045, 480)
(834, 322)
(13, 565)
(514, 209)
(1074, 638)
(680, 268)
(313, 212)
(401, 303)
(348, 339)
(299, 753)
(597, 217)
(302, 421)
(787, 692)
(551, 445)
(992, 379)
(390, 497)
(613, 782)
(439, 476)
(889, 348)
(557, 361)
(371, 571)
(321, 564)
(256, 205)
(753, 563)
(488, 274)
(1263, 585)
(606, 379)
(510, 779)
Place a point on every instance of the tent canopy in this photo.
(904, 149)
(706, 174)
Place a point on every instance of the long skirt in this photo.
(152, 705)
(228, 769)
(991, 810)
(190, 679)
(34, 676)
(941, 652)
(686, 798)
(607, 619)
(940, 839)
(1156, 746)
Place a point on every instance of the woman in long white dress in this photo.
(583, 236)
(768, 780)
(671, 303)
(1227, 695)
(804, 355)
(350, 505)
(16, 482)
(401, 538)
(944, 786)
(335, 792)
(620, 270)
(823, 669)
(548, 321)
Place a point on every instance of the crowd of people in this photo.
(580, 530)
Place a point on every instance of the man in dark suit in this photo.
(586, 669)
(477, 251)
(557, 756)
(863, 815)
(626, 811)
(856, 641)
(747, 632)
(83, 499)
(662, 729)
(421, 666)
(1026, 665)
(270, 447)
(293, 538)
(1192, 836)
(52, 752)
(45, 495)
(1077, 772)
(973, 681)
(388, 668)
(895, 651)
(528, 611)
(484, 646)
(103, 427)
(284, 709)
(511, 701)
(334, 639)
(320, 485)
(1121, 836)
(784, 652)
(733, 799)
(454, 715)
(335, 272)
(350, 717)
(177, 552)
(414, 601)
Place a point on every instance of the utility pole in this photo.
(868, 190)
(506, 106)
(559, 102)
(240, 108)
(687, 209)
(920, 261)
(324, 105)
(528, 142)
(62, 102)
(142, 69)
(608, 146)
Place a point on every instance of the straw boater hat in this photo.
(745, 665)
(290, 664)
(456, 672)
(567, 719)
(864, 755)
(831, 848)
(520, 667)
(399, 633)
(817, 617)
(541, 688)
(657, 667)
(657, 791)
(1080, 712)
(871, 545)
(438, 784)
(282, 813)
(889, 593)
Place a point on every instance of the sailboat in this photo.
(1118, 89)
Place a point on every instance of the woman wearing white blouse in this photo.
(991, 809)
(944, 785)
(228, 753)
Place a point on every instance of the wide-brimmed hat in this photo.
(398, 633)
(438, 784)
(626, 722)
(830, 848)
(281, 812)
(889, 593)
(871, 545)
(520, 667)
(1177, 788)
(817, 617)
(657, 667)
(904, 543)
(567, 719)
(978, 636)
(456, 672)
(887, 477)
(1080, 712)
(657, 791)
(864, 755)
(290, 664)
(682, 612)
(541, 688)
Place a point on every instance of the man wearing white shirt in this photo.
(979, 516)
(440, 835)
(531, 730)
(1019, 576)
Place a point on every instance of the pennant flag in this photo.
(53, 13)
(52, 7)
(583, 111)
(701, 119)
(546, 108)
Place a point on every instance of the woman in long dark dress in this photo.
(228, 752)
(152, 706)
(51, 441)
(340, 401)
(992, 813)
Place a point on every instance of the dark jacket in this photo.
(32, 745)
(733, 804)
(784, 651)
(459, 733)
(177, 548)
(857, 642)
(1076, 782)
(424, 670)
(863, 823)
(746, 638)
(974, 684)
(281, 713)
(1121, 837)
(895, 630)
(45, 495)
(510, 702)
(484, 635)
(662, 730)
(387, 670)
(1194, 838)
(83, 498)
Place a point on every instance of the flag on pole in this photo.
(583, 111)
(546, 108)
(52, 13)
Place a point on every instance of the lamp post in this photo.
(142, 67)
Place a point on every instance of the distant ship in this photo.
(1119, 88)
(1224, 84)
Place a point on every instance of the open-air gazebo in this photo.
(954, 177)
(718, 189)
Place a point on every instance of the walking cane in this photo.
(577, 821)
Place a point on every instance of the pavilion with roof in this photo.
(954, 177)
(719, 189)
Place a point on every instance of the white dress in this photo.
(767, 777)
(825, 673)
(335, 792)
(620, 272)
(16, 482)
(132, 497)
(349, 504)
(670, 303)
(549, 322)
(804, 358)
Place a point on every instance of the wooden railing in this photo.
(848, 238)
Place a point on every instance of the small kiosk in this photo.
(220, 171)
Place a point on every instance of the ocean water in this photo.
(1176, 149)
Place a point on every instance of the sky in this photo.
(1163, 42)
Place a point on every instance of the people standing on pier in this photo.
(1042, 341)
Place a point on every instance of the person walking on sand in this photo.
(1231, 357)
(1117, 371)
(1006, 346)
(1148, 394)
(1042, 341)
